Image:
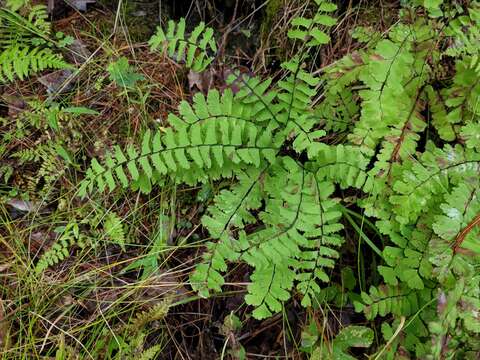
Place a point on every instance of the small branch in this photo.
(463, 234)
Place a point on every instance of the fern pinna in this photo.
(282, 215)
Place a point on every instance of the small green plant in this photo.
(155, 313)
(82, 233)
(348, 337)
(122, 73)
(69, 235)
(243, 135)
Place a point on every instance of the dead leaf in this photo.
(4, 338)
(21, 205)
(80, 5)
(15, 104)
(79, 52)
(376, 57)
(55, 81)
(356, 57)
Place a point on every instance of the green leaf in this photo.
(351, 336)
(123, 74)
(80, 110)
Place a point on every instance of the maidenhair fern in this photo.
(410, 156)
(464, 32)
(312, 30)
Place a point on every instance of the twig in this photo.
(463, 234)
(397, 332)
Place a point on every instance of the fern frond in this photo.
(271, 285)
(230, 211)
(214, 138)
(24, 44)
(113, 228)
(22, 61)
(49, 170)
(392, 103)
(60, 250)
(432, 174)
(464, 31)
(461, 207)
(396, 300)
(301, 225)
(456, 107)
(442, 123)
(457, 317)
(29, 155)
(257, 98)
(311, 30)
(296, 245)
(18, 30)
(343, 164)
(294, 98)
(350, 336)
(470, 133)
(150, 353)
(408, 260)
(156, 312)
(192, 50)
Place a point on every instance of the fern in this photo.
(456, 315)
(452, 107)
(192, 50)
(396, 300)
(60, 250)
(24, 44)
(409, 158)
(114, 229)
(134, 348)
(156, 312)
(83, 233)
(241, 135)
(23, 61)
(201, 143)
(311, 29)
(464, 32)
(350, 336)
(32, 29)
(406, 261)
(49, 168)
(150, 353)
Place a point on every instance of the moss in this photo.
(271, 11)
(140, 18)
